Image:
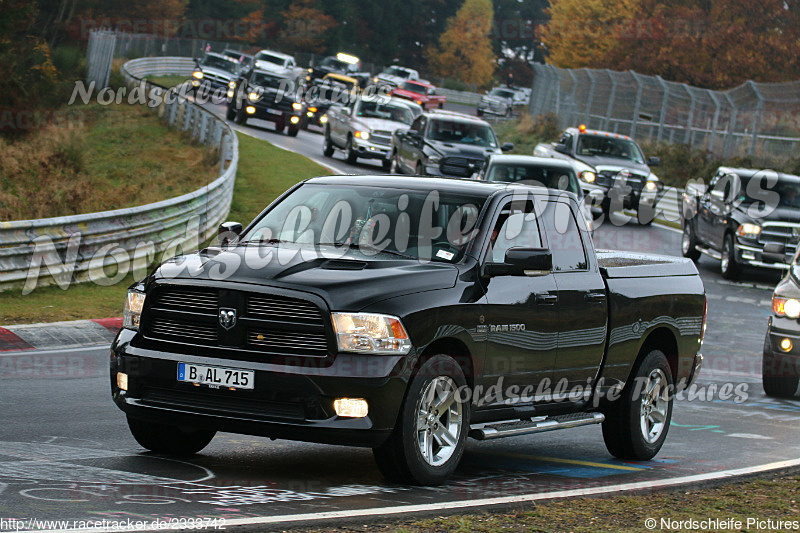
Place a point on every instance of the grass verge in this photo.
(264, 172)
(774, 498)
(168, 81)
(116, 156)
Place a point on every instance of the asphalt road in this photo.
(66, 453)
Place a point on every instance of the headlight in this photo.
(362, 135)
(788, 307)
(323, 119)
(750, 231)
(650, 185)
(297, 107)
(588, 176)
(230, 94)
(197, 74)
(375, 79)
(253, 97)
(434, 159)
(311, 70)
(132, 313)
(232, 84)
(370, 333)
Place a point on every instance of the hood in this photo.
(394, 80)
(347, 282)
(495, 99)
(381, 124)
(614, 163)
(464, 150)
(779, 214)
(403, 93)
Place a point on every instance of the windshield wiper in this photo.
(363, 247)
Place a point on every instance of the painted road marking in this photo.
(546, 459)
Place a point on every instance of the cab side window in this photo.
(564, 237)
(516, 227)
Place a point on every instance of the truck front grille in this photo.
(462, 167)
(266, 324)
(381, 137)
(609, 177)
(785, 233)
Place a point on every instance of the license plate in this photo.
(215, 376)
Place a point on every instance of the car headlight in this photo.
(650, 185)
(132, 313)
(750, 231)
(375, 79)
(197, 74)
(297, 107)
(310, 70)
(434, 159)
(232, 84)
(370, 333)
(588, 176)
(253, 97)
(230, 94)
(788, 307)
(362, 135)
(323, 119)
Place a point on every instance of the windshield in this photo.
(755, 190)
(269, 58)
(220, 63)
(536, 175)
(595, 145)
(263, 79)
(396, 113)
(451, 131)
(397, 71)
(414, 87)
(334, 63)
(502, 93)
(366, 220)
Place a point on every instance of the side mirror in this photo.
(561, 148)
(653, 162)
(228, 232)
(413, 134)
(507, 147)
(522, 262)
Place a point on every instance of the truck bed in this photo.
(619, 264)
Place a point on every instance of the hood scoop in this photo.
(342, 264)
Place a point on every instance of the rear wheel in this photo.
(728, 265)
(636, 424)
(428, 441)
(167, 439)
(479, 113)
(689, 242)
(327, 145)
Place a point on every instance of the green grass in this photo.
(168, 81)
(264, 172)
(774, 498)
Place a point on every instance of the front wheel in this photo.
(292, 131)
(230, 114)
(427, 442)
(395, 167)
(350, 153)
(327, 145)
(240, 117)
(169, 440)
(728, 265)
(420, 169)
(689, 242)
(636, 424)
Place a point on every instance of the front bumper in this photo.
(289, 401)
(755, 256)
(496, 109)
(273, 114)
(370, 150)
(778, 362)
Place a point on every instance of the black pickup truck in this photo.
(744, 218)
(405, 314)
(263, 95)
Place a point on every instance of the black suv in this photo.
(745, 217)
(258, 94)
(443, 143)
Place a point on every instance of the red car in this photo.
(420, 92)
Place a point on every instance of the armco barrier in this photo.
(84, 245)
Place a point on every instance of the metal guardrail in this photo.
(97, 242)
(459, 97)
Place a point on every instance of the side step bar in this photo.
(537, 425)
(709, 252)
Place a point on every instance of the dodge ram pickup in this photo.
(780, 369)
(405, 314)
(743, 220)
(214, 71)
(612, 162)
(260, 94)
(422, 93)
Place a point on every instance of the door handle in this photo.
(595, 297)
(545, 298)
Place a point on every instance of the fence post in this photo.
(572, 117)
(663, 115)
(590, 97)
(714, 97)
(731, 125)
(610, 106)
(687, 138)
(637, 104)
(757, 118)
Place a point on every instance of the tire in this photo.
(241, 117)
(637, 423)
(230, 114)
(689, 242)
(728, 265)
(479, 113)
(280, 125)
(420, 450)
(327, 144)
(350, 154)
(419, 169)
(441, 105)
(773, 378)
(387, 164)
(395, 168)
(509, 112)
(169, 440)
(293, 131)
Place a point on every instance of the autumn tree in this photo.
(582, 32)
(304, 27)
(465, 49)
